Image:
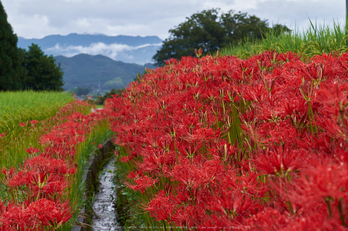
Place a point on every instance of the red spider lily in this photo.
(280, 160)
(198, 52)
(268, 219)
(22, 124)
(33, 122)
(161, 207)
(3, 135)
(51, 214)
(32, 150)
(325, 182)
(215, 127)
(16, 218)
(187, 174)
(141, 183)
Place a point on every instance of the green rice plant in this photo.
(24, 117)
(316, 40)
(17, 107)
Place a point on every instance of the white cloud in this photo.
(112, 50)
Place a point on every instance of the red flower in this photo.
(22, 124)
(50, 213)
(142, 183)
(32, 150)
(33, 122)
(280, 161)
(161, 207)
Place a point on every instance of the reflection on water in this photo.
(105, 215)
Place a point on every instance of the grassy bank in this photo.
(318, 39)
(76, 193)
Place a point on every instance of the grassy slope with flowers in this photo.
(255, 144)
(314, 41)
(43, 193)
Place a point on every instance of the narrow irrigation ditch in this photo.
(104, 213)
(97, 177)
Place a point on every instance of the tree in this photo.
(211, 32)
(43, 73)
(12, 75)
(108, 95)
(279, 29)
(82, 91)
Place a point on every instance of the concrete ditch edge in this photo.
(90, 177)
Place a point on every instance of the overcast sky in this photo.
(39, 18)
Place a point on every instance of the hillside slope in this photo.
(90, 71)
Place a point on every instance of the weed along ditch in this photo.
(99, 212)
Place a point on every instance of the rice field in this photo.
(17, 107)
(21, 116)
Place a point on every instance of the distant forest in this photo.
(98, 72)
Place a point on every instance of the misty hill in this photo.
(130, 49)
(98, 72)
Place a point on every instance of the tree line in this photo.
(212, 30)
(22, 69)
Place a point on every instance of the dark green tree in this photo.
(210, 31)
(101, 99)
(43, 72)
(278, 29)
(82, 91)
(12, 74)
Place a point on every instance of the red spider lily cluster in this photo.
(37, 191)
(257, 144)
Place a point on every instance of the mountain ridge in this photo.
(128, 49)
(98, 72)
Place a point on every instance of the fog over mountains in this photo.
(128, 49)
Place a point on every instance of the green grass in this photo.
(318, 39)
(100, 134)
(18, 107)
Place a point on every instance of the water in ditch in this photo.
(103, 206)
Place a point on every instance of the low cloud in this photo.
(114, 51)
